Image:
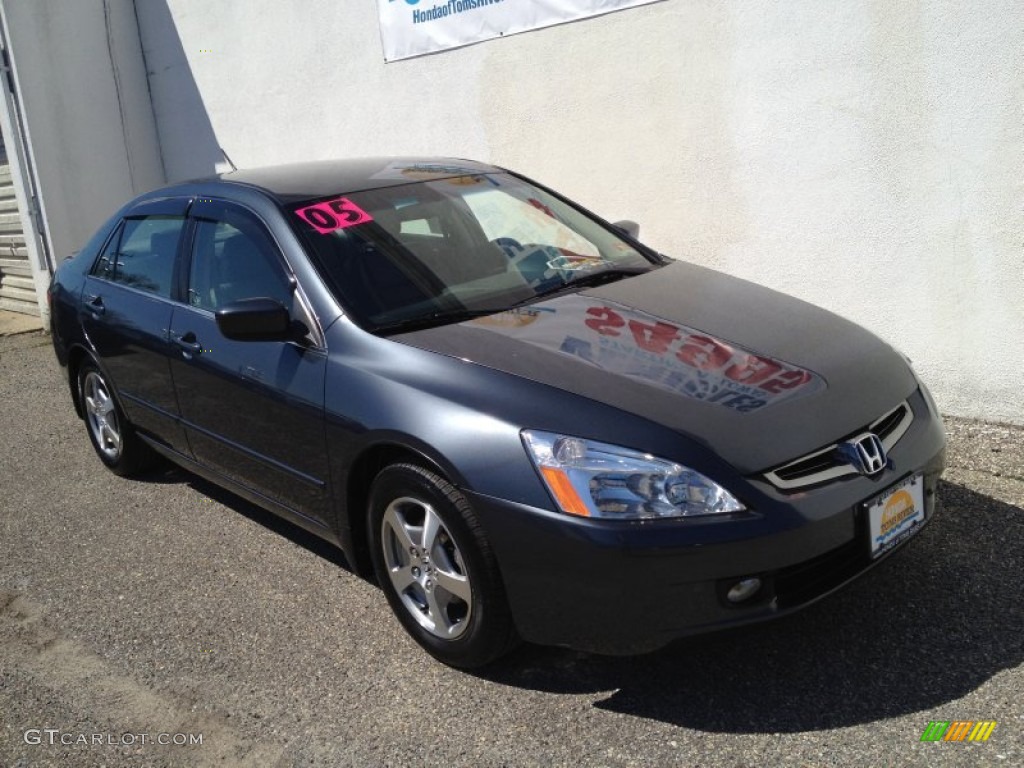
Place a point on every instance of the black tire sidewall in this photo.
(488, 633)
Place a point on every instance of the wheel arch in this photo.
(78, 355)
(359, 477)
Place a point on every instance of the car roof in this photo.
(305, 181)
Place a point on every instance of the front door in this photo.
(253, 410)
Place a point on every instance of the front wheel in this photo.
(437, 568)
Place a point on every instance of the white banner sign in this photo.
(414, 27)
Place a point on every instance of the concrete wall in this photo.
(188, 144)
(89, 124)
(864, 155)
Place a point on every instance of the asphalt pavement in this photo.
(165, 609)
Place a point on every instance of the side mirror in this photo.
(631, 228)
(255, 320)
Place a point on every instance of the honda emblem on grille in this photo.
(865, 453)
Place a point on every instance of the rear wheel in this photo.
(111, 435)
(437, 568)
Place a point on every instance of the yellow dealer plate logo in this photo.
(896, 515)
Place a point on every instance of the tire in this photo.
(437, 568)
(111, 435)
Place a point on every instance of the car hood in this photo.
(759, 377)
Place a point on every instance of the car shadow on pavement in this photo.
(173, 475)
(925, 628)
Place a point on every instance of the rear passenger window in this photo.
(141, 254)
(107, 262)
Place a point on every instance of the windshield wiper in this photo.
(592, 280)
(432, 319)
(461, 314)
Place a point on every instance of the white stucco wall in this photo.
(89, 123)
(864, 155)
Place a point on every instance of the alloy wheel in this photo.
(426, 568)
(101, 415)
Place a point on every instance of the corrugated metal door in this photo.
(17, 289)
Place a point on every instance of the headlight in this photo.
(600, 480)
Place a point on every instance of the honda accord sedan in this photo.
(526, 424)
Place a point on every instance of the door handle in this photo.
(188, 345)
(94, 304)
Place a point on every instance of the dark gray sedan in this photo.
(526, 423)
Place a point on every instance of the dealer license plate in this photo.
(896, 515)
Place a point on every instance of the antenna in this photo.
(220, 168)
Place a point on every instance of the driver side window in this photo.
(232, 261)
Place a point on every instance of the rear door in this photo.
(126, 311)
(253, 410)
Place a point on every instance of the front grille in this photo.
(825, 464)
(893, 424)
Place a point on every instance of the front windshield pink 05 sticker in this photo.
(335, 214)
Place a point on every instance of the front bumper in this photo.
(620, 588)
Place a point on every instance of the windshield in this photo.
(444, 250)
